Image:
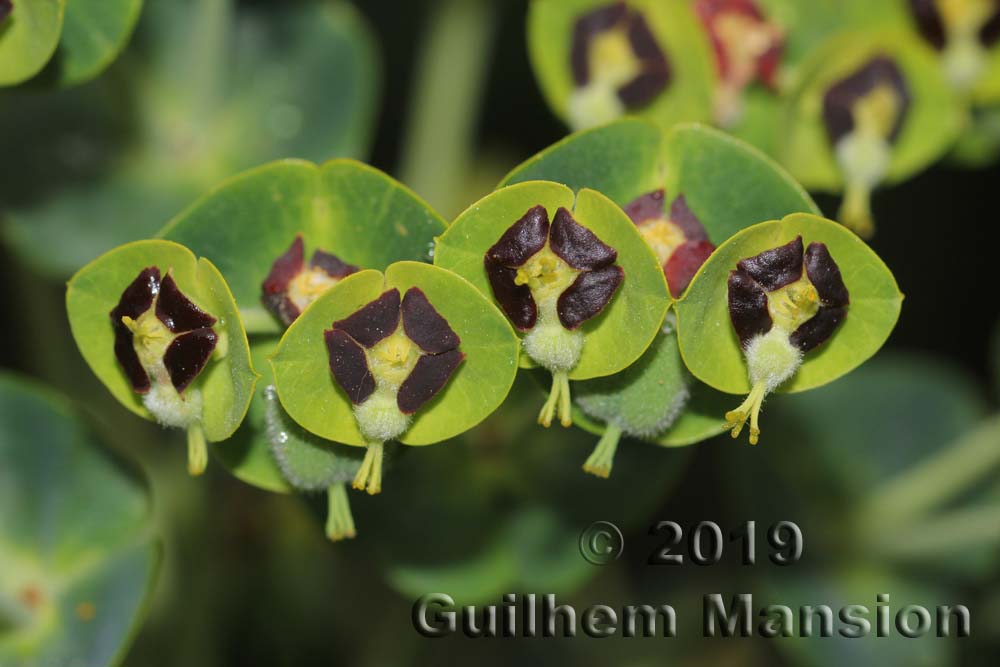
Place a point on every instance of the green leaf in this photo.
(626, 327)
(932, 123)
(344, 207)
(618, 159)
(226, 384)
(94, 32)
(210, 88)
(688, 97)
(708, 341)
(309, 394)
(28, 38)
(77, 561)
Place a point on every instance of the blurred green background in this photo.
(446, 101)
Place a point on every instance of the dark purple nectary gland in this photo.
(374, 321)
(424, 325)
(136, 299)
(825, 276)
(589, 294)
(349, 366)
(515, 300)
(578, 246)
(929, 23)
(331, 265)
(644, 88)
(814, 331)
(427, 378)
(6, 6)
(839, 100)
(682, 216)
(989, 33)
(187, 355)
(586, 28)
(176, 311)
(274, 290)
(777, 267)
(522, 239)
(747, 307)
(646, 208)
(643, 42)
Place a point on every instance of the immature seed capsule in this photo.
(864, 114)
(163, 342)
(617, 65)
(679, 240)
(291, 285)
(780, 313)
(390, 357)
(747, 48)
(549, 280)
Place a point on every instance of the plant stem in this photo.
(448, 88)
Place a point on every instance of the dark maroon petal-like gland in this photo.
(682, 216)
(589, 294)
(646, 208)
(176, 311)
(838, 102)
(331, 265)
(137, 298)
(424, 325)
(515, 300)
(777, 267)
(187, 355)
(684, 262)
(349, 366)
(6, 6)
(374, 321)
(817, 329)
(825, 276)
(284, 268)
(989, 33)
(747, 307)
(929, 22)
(644, 88)
(587, 27)
(427, 378)
(578, 246)
(129, 360)
(644, 44)
(522, 239)
(281, 307)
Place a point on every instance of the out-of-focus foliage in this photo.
(78, 560)
(209, 87)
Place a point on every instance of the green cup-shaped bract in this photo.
(28, 38)
(709, 344)
(688, 96)
(226, 383)
(79, 563)
(621, 333)
(311, 397)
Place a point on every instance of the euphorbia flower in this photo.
(291, 285)
(163, 342)
(963, 31)
(390, 357)
(679, 240)
(864, 113)
(780, 313)
(747, 47)
(549, 280)
(617, 64)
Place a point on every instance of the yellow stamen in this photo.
(339, 521)
(369, 477)
(793, 304)
(308, 286)
(750, 408)
(600, 461)
(197, 449)
(664, 237)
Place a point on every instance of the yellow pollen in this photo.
(308, 286)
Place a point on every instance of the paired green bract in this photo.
(76, 553)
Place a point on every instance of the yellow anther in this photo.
(664, 237)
